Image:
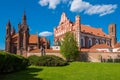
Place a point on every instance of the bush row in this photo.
(47, 60)
(12, 62)
(117, 60)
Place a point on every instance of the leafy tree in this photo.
(69, 48)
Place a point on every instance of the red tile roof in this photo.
(15, 36)
(33, 38)
(100, 46)
(89, 50)
(94, 31)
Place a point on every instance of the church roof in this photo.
(100, 46)
(33, 38)
(15, 36)
(94, 31)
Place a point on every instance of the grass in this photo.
(74, 71)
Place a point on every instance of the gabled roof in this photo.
(15, 36)
(99, 46)
(33, 38)
(94, 31)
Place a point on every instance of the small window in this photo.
(82, 43)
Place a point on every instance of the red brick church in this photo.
(86, 36)
(22, 41)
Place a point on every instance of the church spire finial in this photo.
(9, 24)
(24, 18)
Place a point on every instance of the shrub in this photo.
(110, 60)
(117, 60)
(34, 60)
(47, 60)
(12, 62)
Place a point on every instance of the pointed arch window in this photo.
(97, 42)
(82, 42)
(89, 43)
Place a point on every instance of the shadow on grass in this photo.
(28, 74)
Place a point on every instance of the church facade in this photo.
(22, 41)
(86, 36)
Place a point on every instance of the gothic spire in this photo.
(13, 31)
(24, 18)
(8, 24)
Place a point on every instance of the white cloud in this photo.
(45, 33)
(79, 6)
(87, 8)
(52, 3)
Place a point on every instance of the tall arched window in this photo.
(82, 43)
(108, 42)
(103, 41)
(97, 42)
(89, 43)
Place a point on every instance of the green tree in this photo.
(69, 48)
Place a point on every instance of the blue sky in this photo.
(44, 15)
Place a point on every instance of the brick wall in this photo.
(85, 56)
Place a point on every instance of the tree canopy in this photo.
(69, 48)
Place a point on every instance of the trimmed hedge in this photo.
(47, 60)
(12, 62)
(34, 60)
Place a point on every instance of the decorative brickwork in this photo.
(91, 36)
(23, 42)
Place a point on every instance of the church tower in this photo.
(23, 36)
(78, 29)
(13, 31)
(8, 37)
(112, 34)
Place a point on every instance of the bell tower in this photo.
(112, 34)
(78, 29)
(23, 36)
(8, 37)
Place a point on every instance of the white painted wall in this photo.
(116, 50)
(56, 47)
(104, 49)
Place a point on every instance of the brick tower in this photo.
(23, 36)
(8, 37)
(78, 29)
(112, 33)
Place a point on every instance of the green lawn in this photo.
(74, 71)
